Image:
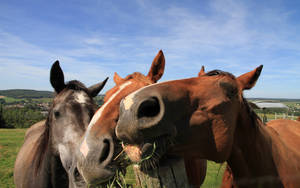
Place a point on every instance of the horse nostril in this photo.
(149, 108)
(76, 174)
(105, 151)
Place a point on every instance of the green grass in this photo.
(214, 175)
(43, 100)
(12, 139)
(10, 99)
(38, 100)
(10, 143)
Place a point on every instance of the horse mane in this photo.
(43, 140)
(76, 86)
(255, 119)
(138, 76)
(41, 147)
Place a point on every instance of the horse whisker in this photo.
(119, 155)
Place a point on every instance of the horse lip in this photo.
(133, 151)
(147, 149)
(99, 181)
(107, 174)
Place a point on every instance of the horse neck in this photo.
(251, 158)
(51, 171)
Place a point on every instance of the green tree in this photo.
(2, 122)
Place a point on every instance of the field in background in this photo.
(12, 139)
(10, 143)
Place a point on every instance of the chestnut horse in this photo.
(208, 117)
(46, 158)
(99, 149)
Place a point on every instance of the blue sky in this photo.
(95, 38)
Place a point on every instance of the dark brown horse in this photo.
(99, 148)
(46, 158)
(208, 117)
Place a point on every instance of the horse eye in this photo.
(56, 114)
(117, 119)
(76, 173)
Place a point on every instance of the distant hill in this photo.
(26, 93)
(274, 99)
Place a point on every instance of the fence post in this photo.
(170, 175)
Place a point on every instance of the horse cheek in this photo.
(223, 139)
(199, 118)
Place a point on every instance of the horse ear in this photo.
(202, 71)
(117, 78)
(95, 89)
(57, 79)
(157, 68)
(248, 80)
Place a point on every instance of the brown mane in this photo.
(138, 76)
(134, 76)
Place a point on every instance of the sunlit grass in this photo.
(12, 139)
(10, 143)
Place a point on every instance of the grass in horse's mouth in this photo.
(118, 165)
(153, 151)
(118, 180)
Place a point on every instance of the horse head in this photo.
(193, 117)
(71, 111)
(97, 155)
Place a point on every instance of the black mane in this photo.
(76, 85)
(219, 72)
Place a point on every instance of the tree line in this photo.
(19, 117)
(23, 117)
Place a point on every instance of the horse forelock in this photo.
(76, 85)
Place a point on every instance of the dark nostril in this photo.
(149, 108)
(76, 174)
(105, 151)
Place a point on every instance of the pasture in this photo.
(12, 139)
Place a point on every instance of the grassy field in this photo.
(10, 143)
(39, 100)
(12, 139)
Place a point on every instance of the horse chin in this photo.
(102, 182)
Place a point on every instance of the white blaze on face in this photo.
(81, 97)
(64, 154)
(128, 103)
(70, 138)
(70, 135)
(84, 149)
